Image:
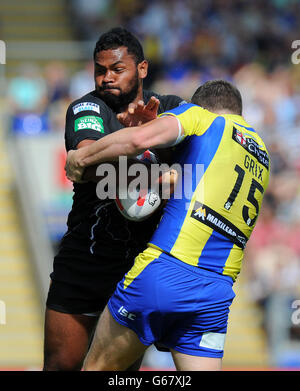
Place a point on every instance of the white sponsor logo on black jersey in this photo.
(86, 106)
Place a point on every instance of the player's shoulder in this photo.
(187, 108)
(89, 102)
(167, 102)
(246, 134)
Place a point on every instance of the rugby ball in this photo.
(139, 204)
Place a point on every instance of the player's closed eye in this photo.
(100, 70)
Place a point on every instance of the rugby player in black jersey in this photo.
(100, 244)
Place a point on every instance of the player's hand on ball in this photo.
(139, 113)
(73, 170)
(168, 181)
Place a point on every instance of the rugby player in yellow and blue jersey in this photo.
(179, 291)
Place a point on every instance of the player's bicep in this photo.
(171, 132)
(194, 119)
(160, 133)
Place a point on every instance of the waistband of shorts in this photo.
(196, 269)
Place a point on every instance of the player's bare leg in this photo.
(114, 347)
(67, 338)
(185, 362)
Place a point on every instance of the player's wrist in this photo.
(80, 156)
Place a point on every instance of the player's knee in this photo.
(101, 363)
(95, 365)
(105, 364)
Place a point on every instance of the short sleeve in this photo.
(194, 119)
(86, 120)
(169, 102)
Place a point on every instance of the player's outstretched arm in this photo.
(159, 133)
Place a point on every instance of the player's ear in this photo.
(143, 69)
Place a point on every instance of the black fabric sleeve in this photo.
(169, 102)
(86, 120)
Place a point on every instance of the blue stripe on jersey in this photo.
(215, 251)
(195, 150)
(246, 127)
(181, 109)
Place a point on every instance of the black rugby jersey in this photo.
(107, 232)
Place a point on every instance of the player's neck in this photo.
(139, 95)
(224, 112)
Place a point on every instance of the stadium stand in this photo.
(246, 344)
(21, 335)
(32, 20)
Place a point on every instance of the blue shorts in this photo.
(176, 304)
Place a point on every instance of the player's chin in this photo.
(110, 92)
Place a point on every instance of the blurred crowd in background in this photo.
(188, 43)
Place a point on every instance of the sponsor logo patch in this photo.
(86, 106)
(252, 147)
(153, 197)
(122, 311)
(214, 341)
(89, 122)
(214, 220)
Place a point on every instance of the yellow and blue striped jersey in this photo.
(229, 172)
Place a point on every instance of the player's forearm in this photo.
(91, 173)
(159, 133)
(129, 141)
(109, 148)
(109, 153)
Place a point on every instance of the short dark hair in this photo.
(218, 95)
(116, 37)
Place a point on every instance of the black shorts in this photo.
(82, 282)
